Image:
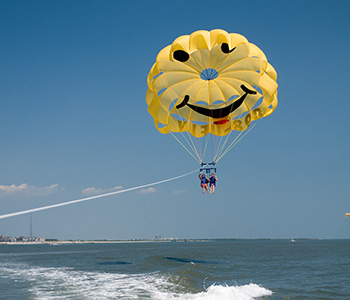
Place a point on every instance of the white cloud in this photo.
(25, 189)
(96, 191)
(150, 190)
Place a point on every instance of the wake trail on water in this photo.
(68, 283)
(94, 197)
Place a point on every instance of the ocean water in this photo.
(208, 270)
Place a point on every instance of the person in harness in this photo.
(212, 182)
(204, 182)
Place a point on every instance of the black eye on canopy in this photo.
(181, 55)
(226, 49)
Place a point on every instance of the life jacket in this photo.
(212, 180)
(203, 180)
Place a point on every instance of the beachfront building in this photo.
(21, 239)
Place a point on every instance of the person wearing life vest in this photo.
(212, 182)
(204, 182)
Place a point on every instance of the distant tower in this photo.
(31, 226)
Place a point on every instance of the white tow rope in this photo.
(93, 197)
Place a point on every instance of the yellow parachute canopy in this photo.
(347, 215)
(210, 82)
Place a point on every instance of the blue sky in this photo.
(74, 117)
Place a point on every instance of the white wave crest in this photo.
(66, 283)
(244, 292)
(220, 292)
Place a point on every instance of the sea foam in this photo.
(220, 292)
(68, 283)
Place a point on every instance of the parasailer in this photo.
(212, 182)
(207, 87)
(204, 182)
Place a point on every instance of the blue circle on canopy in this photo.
(209, 74)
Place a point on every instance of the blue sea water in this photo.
(209, 270)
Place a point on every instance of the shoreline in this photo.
(103, 242)
(165, 240)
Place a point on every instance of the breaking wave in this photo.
(68, 283)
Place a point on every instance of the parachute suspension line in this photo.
(245, 133)
(223, 150)
(197, 158)
(197, 145)
(201, 145)
(223, 145)
(237, 140)
(95, 197)
(205, 146)
(190, 145)
(218, 141)
(214, 142)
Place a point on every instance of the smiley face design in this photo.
(210, 82)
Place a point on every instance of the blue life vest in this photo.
(212, 180)
(203, 180)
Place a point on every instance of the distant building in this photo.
(21, 239)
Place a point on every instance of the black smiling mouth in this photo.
(217, 112)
